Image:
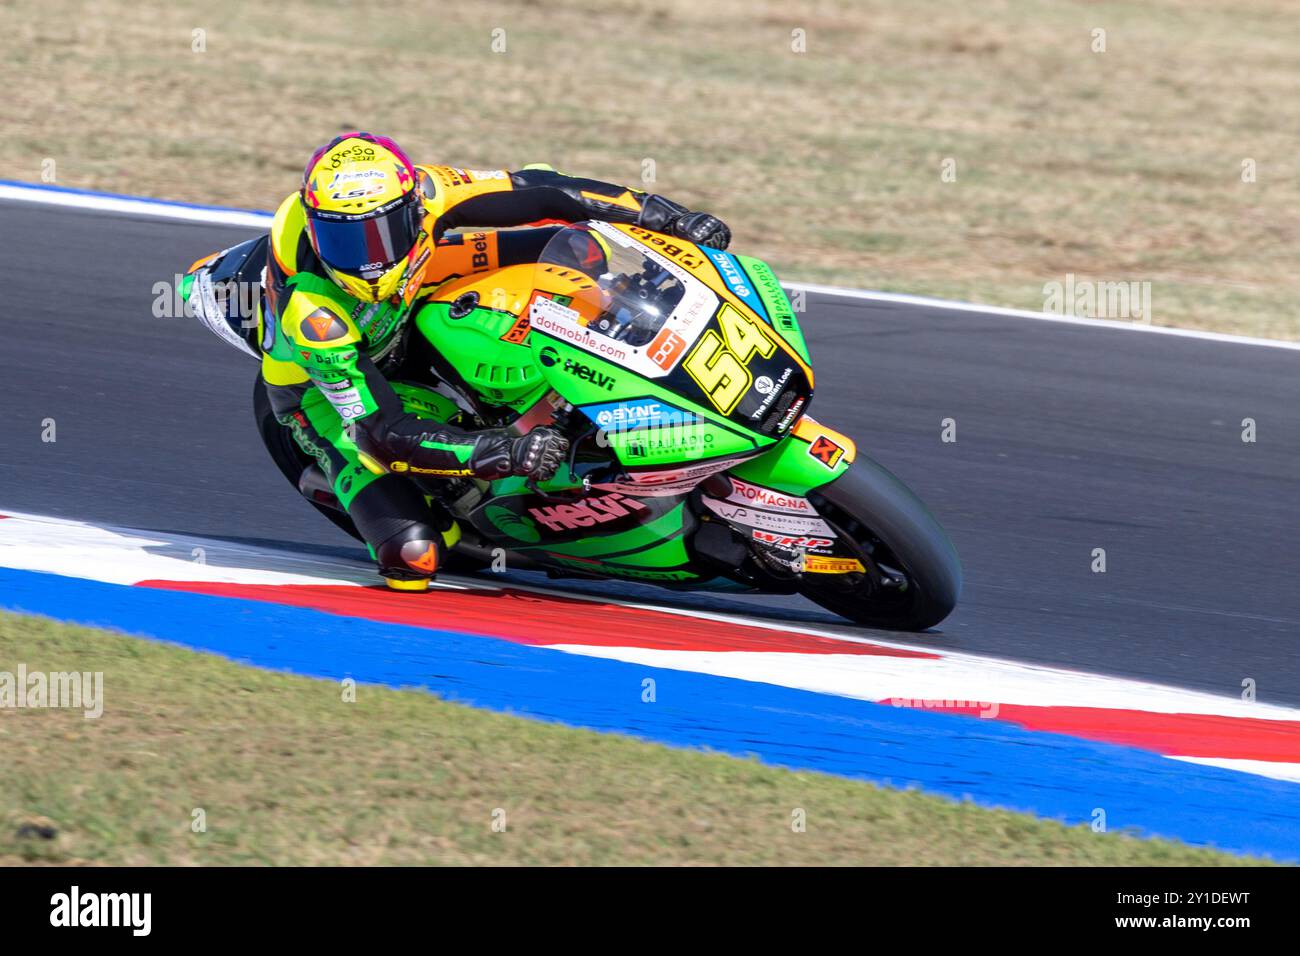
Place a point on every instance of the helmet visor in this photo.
(370, 244)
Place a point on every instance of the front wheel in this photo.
(912, 578)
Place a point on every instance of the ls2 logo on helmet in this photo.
(368, 182)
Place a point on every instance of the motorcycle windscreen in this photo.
(628, 296)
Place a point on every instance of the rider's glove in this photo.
(499, 454)
(664, 215)
(703, 230)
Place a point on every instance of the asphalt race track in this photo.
(1068, 439)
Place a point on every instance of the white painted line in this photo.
(900, 298)
(161, 209)
(126, 556)
(100, 202)
(1264, 768)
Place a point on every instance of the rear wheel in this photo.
(913, 576)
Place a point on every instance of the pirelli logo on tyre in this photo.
(815, 564)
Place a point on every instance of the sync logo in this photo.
(730, 272)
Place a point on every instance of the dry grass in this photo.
(287, 773)
(1122, 165)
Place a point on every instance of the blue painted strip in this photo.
(994, 763)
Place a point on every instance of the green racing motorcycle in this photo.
(681, 378)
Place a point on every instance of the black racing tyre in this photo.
(288, 457)
(887, 524)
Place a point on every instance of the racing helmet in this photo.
(365, 214)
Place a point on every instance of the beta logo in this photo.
(517, 334)
(588, 512)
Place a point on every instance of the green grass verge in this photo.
(286, 772)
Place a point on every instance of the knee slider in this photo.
(412, 554)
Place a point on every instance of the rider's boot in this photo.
(395, 520)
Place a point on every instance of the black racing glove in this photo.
(499, 454)
(664, 215)
(703, 230)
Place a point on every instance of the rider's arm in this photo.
(533, 196)
(326, 346)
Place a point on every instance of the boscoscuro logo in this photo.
(74, 908)
(77, 690)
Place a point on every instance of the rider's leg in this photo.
(406, 536)
(396, 522)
